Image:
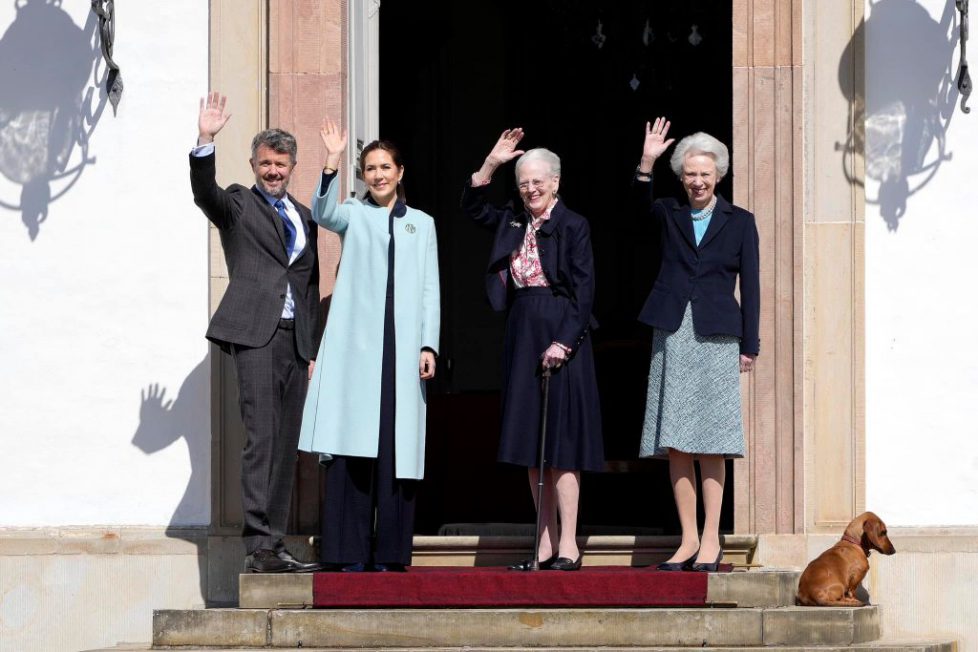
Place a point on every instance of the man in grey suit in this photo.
(268, 321)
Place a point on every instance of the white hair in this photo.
(539, 154)
(701, 143)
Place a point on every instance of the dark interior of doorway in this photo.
(581, 77)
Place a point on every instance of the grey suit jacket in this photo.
(253, 239)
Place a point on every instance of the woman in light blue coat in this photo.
(366, 403)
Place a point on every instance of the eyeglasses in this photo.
(531, 185)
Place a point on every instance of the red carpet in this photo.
(429, 586)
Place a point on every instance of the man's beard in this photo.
(281, 193)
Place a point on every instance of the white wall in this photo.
(921, 310)
(107, 304)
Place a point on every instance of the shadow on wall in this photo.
(902, 115)
(163, 422)
(51, 74)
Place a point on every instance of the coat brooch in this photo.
(409, 228)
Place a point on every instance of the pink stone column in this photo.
(768, 165)
(307, 80)
(307, 77)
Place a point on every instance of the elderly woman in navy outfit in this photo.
(541, 272)
(703, 337)
(366, 407)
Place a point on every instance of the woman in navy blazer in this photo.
(702, 336)
(541, 272)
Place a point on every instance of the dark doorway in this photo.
(581, 78)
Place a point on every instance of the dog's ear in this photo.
(874, 533)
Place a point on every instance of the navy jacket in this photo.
(704, 275)
(564, 244)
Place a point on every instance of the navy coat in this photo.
(704, 276)
(564, 244)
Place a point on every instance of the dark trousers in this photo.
(348, 534)
(272, 382)
(356, 485)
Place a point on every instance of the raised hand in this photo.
(502, 152)
(655, 140)
(334, 139)
(213, 116)
(505, 148)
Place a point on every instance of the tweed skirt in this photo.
(693, 402)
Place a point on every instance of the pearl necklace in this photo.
(704, 212)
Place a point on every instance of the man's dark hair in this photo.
(277, 140)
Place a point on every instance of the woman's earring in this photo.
(554, 193)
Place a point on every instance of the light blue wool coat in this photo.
(342, 411)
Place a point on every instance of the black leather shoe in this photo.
(390, 567)
(357, 567)
(298, 566)
(527, 564)
(678, 565)
(566, 564)
(709, 567)
(266, 561)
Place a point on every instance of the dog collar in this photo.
(851, 539)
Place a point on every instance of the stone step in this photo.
(756, 588)
(535, 628)
(877, 646)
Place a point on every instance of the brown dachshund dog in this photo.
(832, 578)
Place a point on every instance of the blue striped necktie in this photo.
(289, 227)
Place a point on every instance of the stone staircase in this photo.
(745, 610)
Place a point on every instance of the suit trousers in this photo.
(355, 485)
(272, 381)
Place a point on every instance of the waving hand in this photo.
(502, 152)
(655, 140)
(505, 150)
(334, 140)
(213, 116)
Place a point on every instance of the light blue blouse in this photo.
(700, 226)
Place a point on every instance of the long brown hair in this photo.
(395, 154)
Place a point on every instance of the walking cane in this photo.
(545, 386)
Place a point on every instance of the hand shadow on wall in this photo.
(163, 422)
(48, 110)
(901, 118)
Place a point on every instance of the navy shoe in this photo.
(678, 565)
(527, 564)
(357, 567)
(567, 564)
(390, 567)
(711, 567)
